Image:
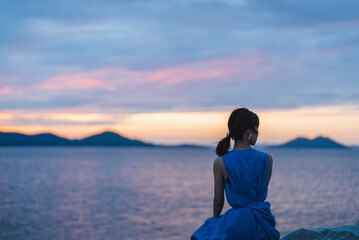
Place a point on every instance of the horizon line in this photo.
(112, 130)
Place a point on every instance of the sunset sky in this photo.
(172, 71)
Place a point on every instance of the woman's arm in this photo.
(218, 199)
(270, 167)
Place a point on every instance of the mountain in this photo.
(48, 139)
(319, 142)
(109, 139)
(44, 139)
(103, 139)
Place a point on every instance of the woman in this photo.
(244, 173)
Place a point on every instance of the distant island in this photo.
(112, 139)
(109, 139)
(319, 142)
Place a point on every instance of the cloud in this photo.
(43, 101)
(221, 70)
(22, 118)
(140, 56)
(5, 90)
(74, 82)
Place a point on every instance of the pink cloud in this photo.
(5, 90)
(110, 78)
(242, 69)
(86, 80)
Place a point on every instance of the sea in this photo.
(159, 193)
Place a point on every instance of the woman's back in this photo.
(247, 172)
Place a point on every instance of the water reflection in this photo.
(154, 193)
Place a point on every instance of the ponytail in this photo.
(223, 146)
(240, 120)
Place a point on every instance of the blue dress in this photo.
(250, 217)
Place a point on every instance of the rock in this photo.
(338, 233)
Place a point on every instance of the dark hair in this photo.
(240, 120)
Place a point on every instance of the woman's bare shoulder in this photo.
(219, 168)
(218, 163)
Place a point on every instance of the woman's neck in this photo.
(238, 145)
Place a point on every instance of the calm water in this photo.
(154, 193)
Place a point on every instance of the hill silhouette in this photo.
(109, 139)
(106, 138)
(43, 139)
(319, 142)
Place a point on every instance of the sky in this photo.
(171, 72)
